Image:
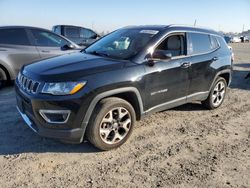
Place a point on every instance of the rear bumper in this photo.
(71, 135)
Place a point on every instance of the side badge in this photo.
(158, 92)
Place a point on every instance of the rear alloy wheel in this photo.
(111, 123)
(217, 94)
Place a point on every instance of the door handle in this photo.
(45, 51)
(215, 59)
(186, 64)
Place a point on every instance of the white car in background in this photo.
(236, 39)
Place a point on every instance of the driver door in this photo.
(167, 81)
(48, 44)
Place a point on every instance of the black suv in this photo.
(80, 35)
(101, 91)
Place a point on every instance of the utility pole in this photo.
(195, 22)
(243, 28)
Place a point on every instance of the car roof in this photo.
(72, 26)
(31, 27)
(20, 26)
(148, 27)
(175, 27)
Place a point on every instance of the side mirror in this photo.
(95, 36)
(161, 55)
(68, 47)
(157, 56)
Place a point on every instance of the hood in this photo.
(70, 67)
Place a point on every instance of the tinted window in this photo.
(57, 30)
(73, 32)
(86, 33)
(214, 43)
(44, 38)
(14, 36)
(198, 43)
(173, 44)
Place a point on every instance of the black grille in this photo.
(27, 84)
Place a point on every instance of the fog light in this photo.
(55, 116)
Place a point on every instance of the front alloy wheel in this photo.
(115, 125)
(111, 123)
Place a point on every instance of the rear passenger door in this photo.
(16, 49)
(48, 43)
(203, 51)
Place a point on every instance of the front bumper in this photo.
(71, 131)
(72, 135)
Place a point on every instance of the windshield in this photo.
(122, 44)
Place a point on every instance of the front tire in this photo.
(217, 94)
(111, 123)
(3, 78)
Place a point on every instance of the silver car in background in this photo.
(21, 45)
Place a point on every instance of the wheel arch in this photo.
(130, 94)
(226, 74)
(6, 72)
(131, 98)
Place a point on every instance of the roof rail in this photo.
(186, 25)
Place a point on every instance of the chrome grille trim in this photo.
(28, 85)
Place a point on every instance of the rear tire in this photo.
(111, 123)
(216, 95)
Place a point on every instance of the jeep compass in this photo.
(100, 92)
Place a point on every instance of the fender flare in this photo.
(107, 94)
(9, 69)
(218, 74)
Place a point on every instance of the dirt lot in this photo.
(183, 147)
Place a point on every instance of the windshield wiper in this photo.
(83, 50)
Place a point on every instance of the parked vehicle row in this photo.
(100, 92)
(244, 39)
(236, 39)
(24, 45)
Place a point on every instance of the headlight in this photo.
(19, 77)
(63, 88)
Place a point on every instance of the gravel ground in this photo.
(187, 146)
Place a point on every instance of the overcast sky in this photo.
(107, 15)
